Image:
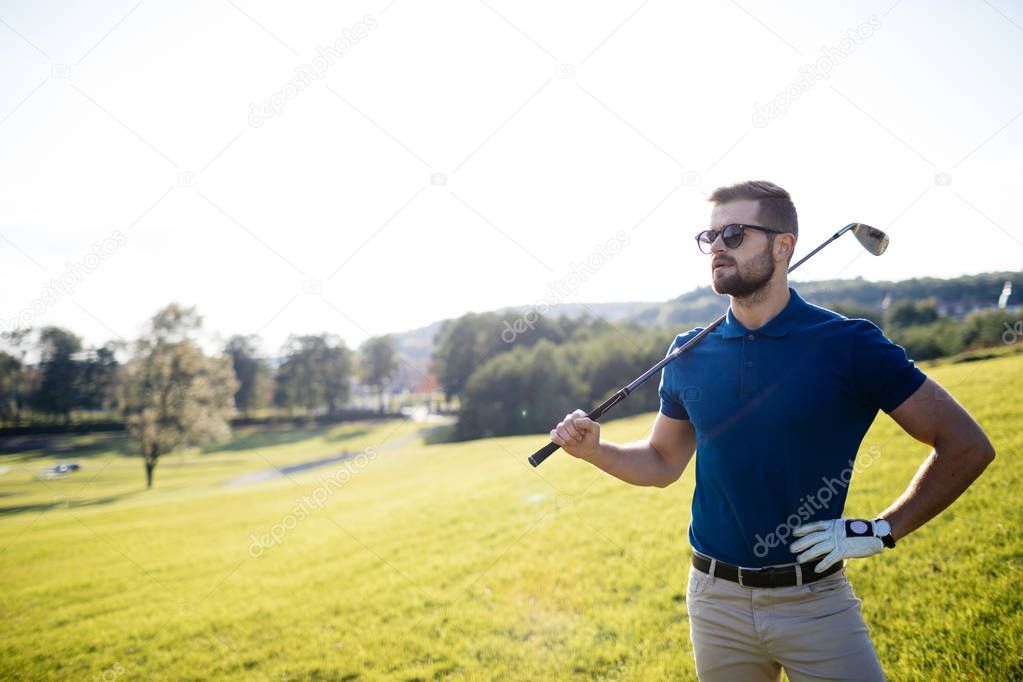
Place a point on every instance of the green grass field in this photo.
(457, 561)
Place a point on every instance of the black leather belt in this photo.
(771, 576)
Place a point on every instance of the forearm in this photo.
(939, 481)
(637, 463)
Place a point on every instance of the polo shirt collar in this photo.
(777, 327)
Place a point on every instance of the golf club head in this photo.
(872, 239)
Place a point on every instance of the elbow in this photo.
(984, 458)
(985, 451)
(975, 452)
(670, 476)
(982, 454)
(669, 464)
(988, 454)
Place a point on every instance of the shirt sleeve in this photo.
(885, 376)
(671, 400)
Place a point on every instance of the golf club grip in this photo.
(543, 453)
(537, 458)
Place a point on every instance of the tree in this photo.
(315, 373)
(252, 372)
(11, 371)
(854, 310)
(520, 392)
(176, 396)
(378, 363)
(927, 341)
(990, 328)
(466, 343)
(911, 313)
(21, 378)
(100, 378)
(58, 391)
(463, 345)
(609, 361)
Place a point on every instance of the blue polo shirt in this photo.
(779, 414)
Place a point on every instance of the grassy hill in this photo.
(457, 562)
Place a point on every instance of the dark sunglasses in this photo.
(731, 234)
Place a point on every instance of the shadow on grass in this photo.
(254, 437)
(440, 434)
(284, 435)
(66, 446)
(337, 437)
(70, 446)
(974, 358)
(59, 503)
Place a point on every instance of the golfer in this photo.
(776, 400)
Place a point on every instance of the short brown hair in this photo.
(775, 205)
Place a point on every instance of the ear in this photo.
(785, 245)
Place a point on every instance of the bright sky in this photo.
(563, 133)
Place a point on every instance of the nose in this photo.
(718, 245)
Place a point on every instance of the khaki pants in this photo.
(814, 631)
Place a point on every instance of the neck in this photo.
(757, 309)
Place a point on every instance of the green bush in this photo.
(928, 341)
(525, 390)
(904, 314)
(984, 329)
(854, 310)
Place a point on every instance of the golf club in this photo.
(872, 239)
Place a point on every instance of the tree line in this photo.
(524, 382)
(170, 394)
(926, 334)
(516, 384)
(959, 294)
(314, 374)
(507, 377)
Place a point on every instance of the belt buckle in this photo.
(745, 570)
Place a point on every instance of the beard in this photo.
(745, 282)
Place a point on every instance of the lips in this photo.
(718, 264)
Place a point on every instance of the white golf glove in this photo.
(839, 539)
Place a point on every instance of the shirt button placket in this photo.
(748, 353)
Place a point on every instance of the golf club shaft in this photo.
(833, 238)
(546, 451)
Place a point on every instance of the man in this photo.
(777, 400)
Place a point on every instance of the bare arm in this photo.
(961, 452)
(659, 460)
